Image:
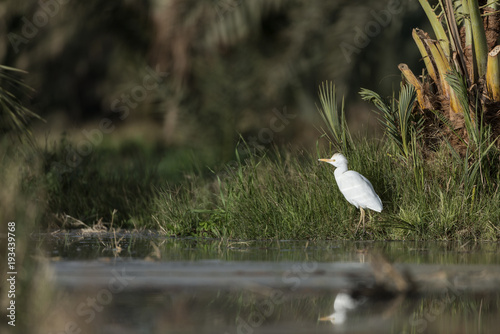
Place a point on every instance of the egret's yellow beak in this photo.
(325, 160)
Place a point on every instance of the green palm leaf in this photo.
(333, 117)
(399, 124)
(14, 116)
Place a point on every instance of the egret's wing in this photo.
(359, 191)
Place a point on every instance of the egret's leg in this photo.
(361, 219)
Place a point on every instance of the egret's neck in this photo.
(340, 170)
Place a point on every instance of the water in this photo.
(145, 283)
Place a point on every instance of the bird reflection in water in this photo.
(343, 304)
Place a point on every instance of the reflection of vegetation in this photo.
(284, 297)
(452, 311)
(262, 307)
(140, 244)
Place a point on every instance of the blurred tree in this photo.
(223, 66)
(233, 62)
(72, 49)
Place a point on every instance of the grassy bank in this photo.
(292, 196)
(115, 183)
(436, 170)
(283, 194)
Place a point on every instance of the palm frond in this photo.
(419, 36)
(406, 103)
(399, 125)
(14, 115)
(456, 46)
(458, 85)
(478, 37)
(438, 28)
(333, 117)
(481, 143)
(446, 121)
(388, 119)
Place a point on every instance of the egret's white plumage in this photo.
(343, 303)
(356, 188)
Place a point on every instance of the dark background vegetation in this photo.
(224, 65)
(180, 83)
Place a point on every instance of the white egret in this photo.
(343, 303)
(356, 188)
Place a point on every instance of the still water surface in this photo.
(145, 283)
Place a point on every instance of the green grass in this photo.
(115, 182)
(292, 196)
(284, 194)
